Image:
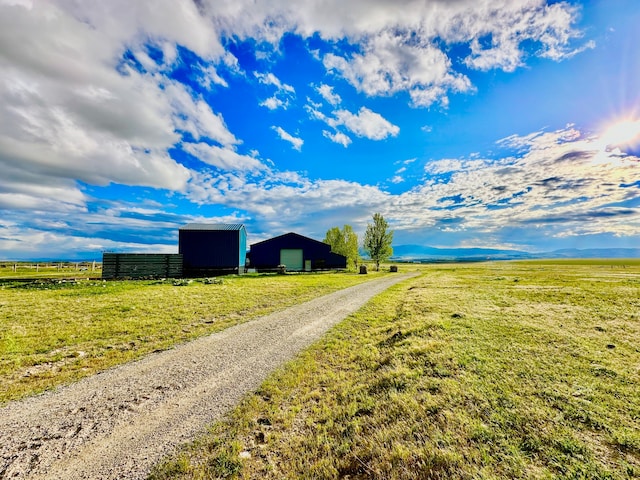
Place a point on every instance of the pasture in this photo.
(9, 270)
(470, 371)
(57, 331)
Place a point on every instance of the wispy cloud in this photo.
(337, 137)
(287, 137)
(329, 95)
(222, 158)
(282, 95)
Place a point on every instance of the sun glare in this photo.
(622, 133)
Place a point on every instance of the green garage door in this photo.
(292, 258)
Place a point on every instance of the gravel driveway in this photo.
(119, 423)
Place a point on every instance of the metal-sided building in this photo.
(297, 252)
(212, 249)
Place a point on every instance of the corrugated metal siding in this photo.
(210, 251)
(141, 265)
(265, 255)
(213, 226)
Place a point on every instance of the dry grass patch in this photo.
(55, 332)
(500, 370)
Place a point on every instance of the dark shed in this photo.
(298, 253)
(212, 249)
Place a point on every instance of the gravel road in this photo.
(119, 423)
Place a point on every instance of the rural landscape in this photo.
(321, 239)
(470, 370)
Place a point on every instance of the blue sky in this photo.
(466, 123)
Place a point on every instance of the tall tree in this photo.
(378, 239)
(344, 242)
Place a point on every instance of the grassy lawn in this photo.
(476, 371)
(56, 332)
(34, 270)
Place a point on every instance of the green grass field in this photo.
(9, 270)
(472, 371)
(55, 332)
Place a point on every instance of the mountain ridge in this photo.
(424, 252)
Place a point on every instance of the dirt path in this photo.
(119, 423)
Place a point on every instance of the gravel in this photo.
(119, 423)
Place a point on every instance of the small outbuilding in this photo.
(297, 252)
(212, 249)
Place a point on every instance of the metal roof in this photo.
(213, 226)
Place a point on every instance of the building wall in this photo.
(266, 255)
(212, 251)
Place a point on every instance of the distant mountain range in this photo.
(421, 252)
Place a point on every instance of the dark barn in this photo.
(212, 249)
(298, 253)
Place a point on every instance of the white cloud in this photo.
(337, 137)
(273, 103)
(70, 110)
(223, 158)
(294, 141)
(558, 183)
(283, 93)
(393, 62)
(479, 196)
(271, 79)
(404, 48)
(77, 110)
(282, 199)
(210, 76)
(328, 94)
(366, 123)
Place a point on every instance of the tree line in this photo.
(377, 242)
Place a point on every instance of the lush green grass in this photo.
(54, 332)
(10, 270)
(476, 371)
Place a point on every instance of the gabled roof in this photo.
(213, 226)
(290, 234)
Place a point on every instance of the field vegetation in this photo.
(56, 331)
(470, 371)
(14, 270)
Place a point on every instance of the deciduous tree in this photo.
(344, 242)
(378, 239)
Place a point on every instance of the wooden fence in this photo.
(141, 265)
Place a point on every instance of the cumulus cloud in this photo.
(283, 199)
(559, 182)
(296, 142)
(99, 105)
(337, 137)
(486, 199)
(329, 95)
(71, 109)
(222, 158)
(273, 103)
(391, 63)
(366, 123)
